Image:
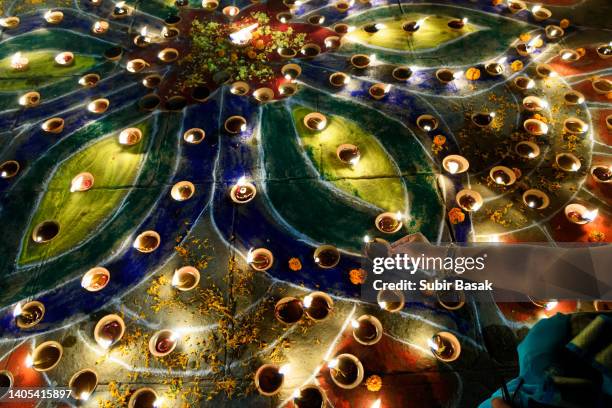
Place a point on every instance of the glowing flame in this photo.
(105, 343)
(536, 8)
(355, 324)
(453, 166)
(307, 301)
(17, 310)
(241, 181)
(296, 394)
(464, 20)
(533, 42)
(566, 55)
(175, 279)
(551, 305)
(158, 402)
(29, 361)
(244, 35)
(354, 160)
(380, 26)
(77, 184)
(333, 363)
(502, 60)
(575, 166)
(492, 114)
(432, 344)
(376, 404)
(84, 395)
(590, 215)
(18, 60)
(86, 281)
(284, 370)
(48, 15)
(250, 256)
(398, 216)
(420, 22)
(367, 239)
(382, 304)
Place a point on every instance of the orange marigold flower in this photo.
(581, 51)
(597, 236)
(496, 2)
(374, 383)
(295, 264)
(251, 54)
(357, 276)
(439, 140)
(472, 74)
(525, 37)
(516, 65)
(259, 44)
(564, 23)
(456, 216)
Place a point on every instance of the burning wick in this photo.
(307, 301)
(376, 404)
(17, 311)
(85, 396)
(243, 36)
(19, 62)
(284, 370)
(120, 8)
(355, 324)
(551, 305)
(453, 166)
(29, 361)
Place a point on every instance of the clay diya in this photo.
(182, 191)
(455, 164)
(260, 259)
(579, 214)
(288, 310)
(162, 343)
(46, 356)
(109, 330)
(194, 136)
(367, 330)
(326, 256)
(130, 136)
(469, 200)
(45, 231)
(318, 305)
(568, 162)
(269, 379)
(29, 314)
(536, 199)
(527, 149)
(82, 384)
(602, 174)
(147, 242)
(445, 346)
(502, 175)
(346, 371)
(186, 278)
(243, 191)
(389, 222)
(390, 300)
(95, 279)
(9, 169)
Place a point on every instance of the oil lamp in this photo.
(284, 17)
(602, 174)
(545, 71)
(451, 299)
(54, 16)
(554, 32)
(326, 256)
(339, 79)
(186, 278)
(390, 300)
(342, 5)
(30, 99)
(95, 279)
(540, 13)
(82, 384)
(144, 398)
(568, 162)
(230, 11)
(235, 124)
(210, 5)
(309, 396)
(523, 83)
(9, 169)
(401, 73)
(243, 36)
(288, 310)
(469, 200)
(163, 343)
(315, 121)
(46, 356)
(579, 214)
(534, 104)
(445, 346)
(45, 231)
(109, 330)
(263, 94)
(536, 199)
(291, 71)
(316, 19)
(113, 53)
(427, 123)
(194, 136)
(168, 55)
(346, 371)
(373, 28)
(502, 175)
(575, 126)
(98, 106)
(310, 50)
(243, 191)
(445, 75)
(527, 149)
(19, 62)
(495, 68)
(573, 98)
(6, 382)
(120, 10)
(130, 136)
(143, 39)
(569, 55)
(29, 314)
(182, 191)
(240, 88)
(169, 32)
(269, 378)
(367, 330)
(378, 91)
(332, 42)
(318, 305)
(457, 24)
(286, 52)
(483, 119)
(147, 242)
(602, 85)
(64, 59)
(605, 50)
(360, 61)
(535, 127)
(342, 28)
(348, 153)
(100, 27)
(389, 222)
(136, 65)
(9, 22)
(82, 182)
(260, 259)
(412, 26)
(455, 164)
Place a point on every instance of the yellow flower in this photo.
(374, 383)
(516, 65)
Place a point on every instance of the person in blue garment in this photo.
(564, 361)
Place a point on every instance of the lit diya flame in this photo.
(551, 305)
(19, 61)
(244, 35)
(376, 404)
(82, 182)
(120, 8)
(17, 310)
(29, 361)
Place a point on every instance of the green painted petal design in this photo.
(79, 214)
(373, 179)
